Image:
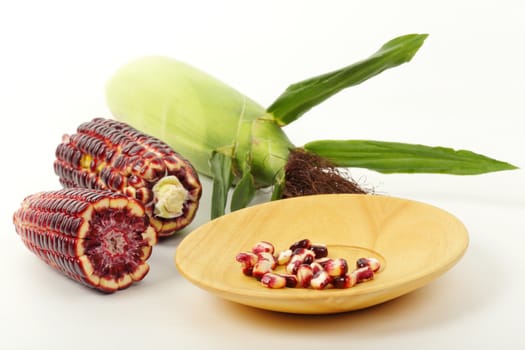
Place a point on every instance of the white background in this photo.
(464, 89)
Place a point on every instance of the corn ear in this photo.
(98, 238)
(110, 155)
(236, 141)
(196, 114)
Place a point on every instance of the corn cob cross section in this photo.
(111, 155)
(99, 238)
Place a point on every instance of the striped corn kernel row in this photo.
(99, 238)
(111, 155)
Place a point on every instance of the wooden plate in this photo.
(415, 242)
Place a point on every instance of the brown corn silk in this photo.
(308, 174)
(99, 238)
(111, 155)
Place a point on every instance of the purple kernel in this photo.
(291, 280)
(320, 251)
(342, 282)
(303, 243)
(361, 262)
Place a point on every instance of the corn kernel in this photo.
(363, 274)
(304, 275)
(284, 257)
(292, 266)
(263, 246)
(320, 280)
(260, 268)
(343, 282)
(305, 255)
(303, 243)
(320, 250)
(336, 267)
(316, 267)
(246, 259)
(266, 256)
(273, 280)
(374, 264)
(291, 280)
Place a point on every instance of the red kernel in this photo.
(363, 274)
(291, 280)
(343, 282)
(374, 264)
(261, 268)
(263, 246)
(316, 267)
(336, 267)
(320, 280)
(304, 275)
(305, 255)
(246, 259)
(293, 265)
(284, 257)
(266, 256)
(273, 280)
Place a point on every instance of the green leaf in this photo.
(243, 193)
(221, 168)
(245, 187)
(394, 157)
(278, 186)
(300, 97)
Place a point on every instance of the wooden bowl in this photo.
(415, 243)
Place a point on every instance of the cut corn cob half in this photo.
(111, 155)
(99, 238)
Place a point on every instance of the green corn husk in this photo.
(233, 139)
(196, 114)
